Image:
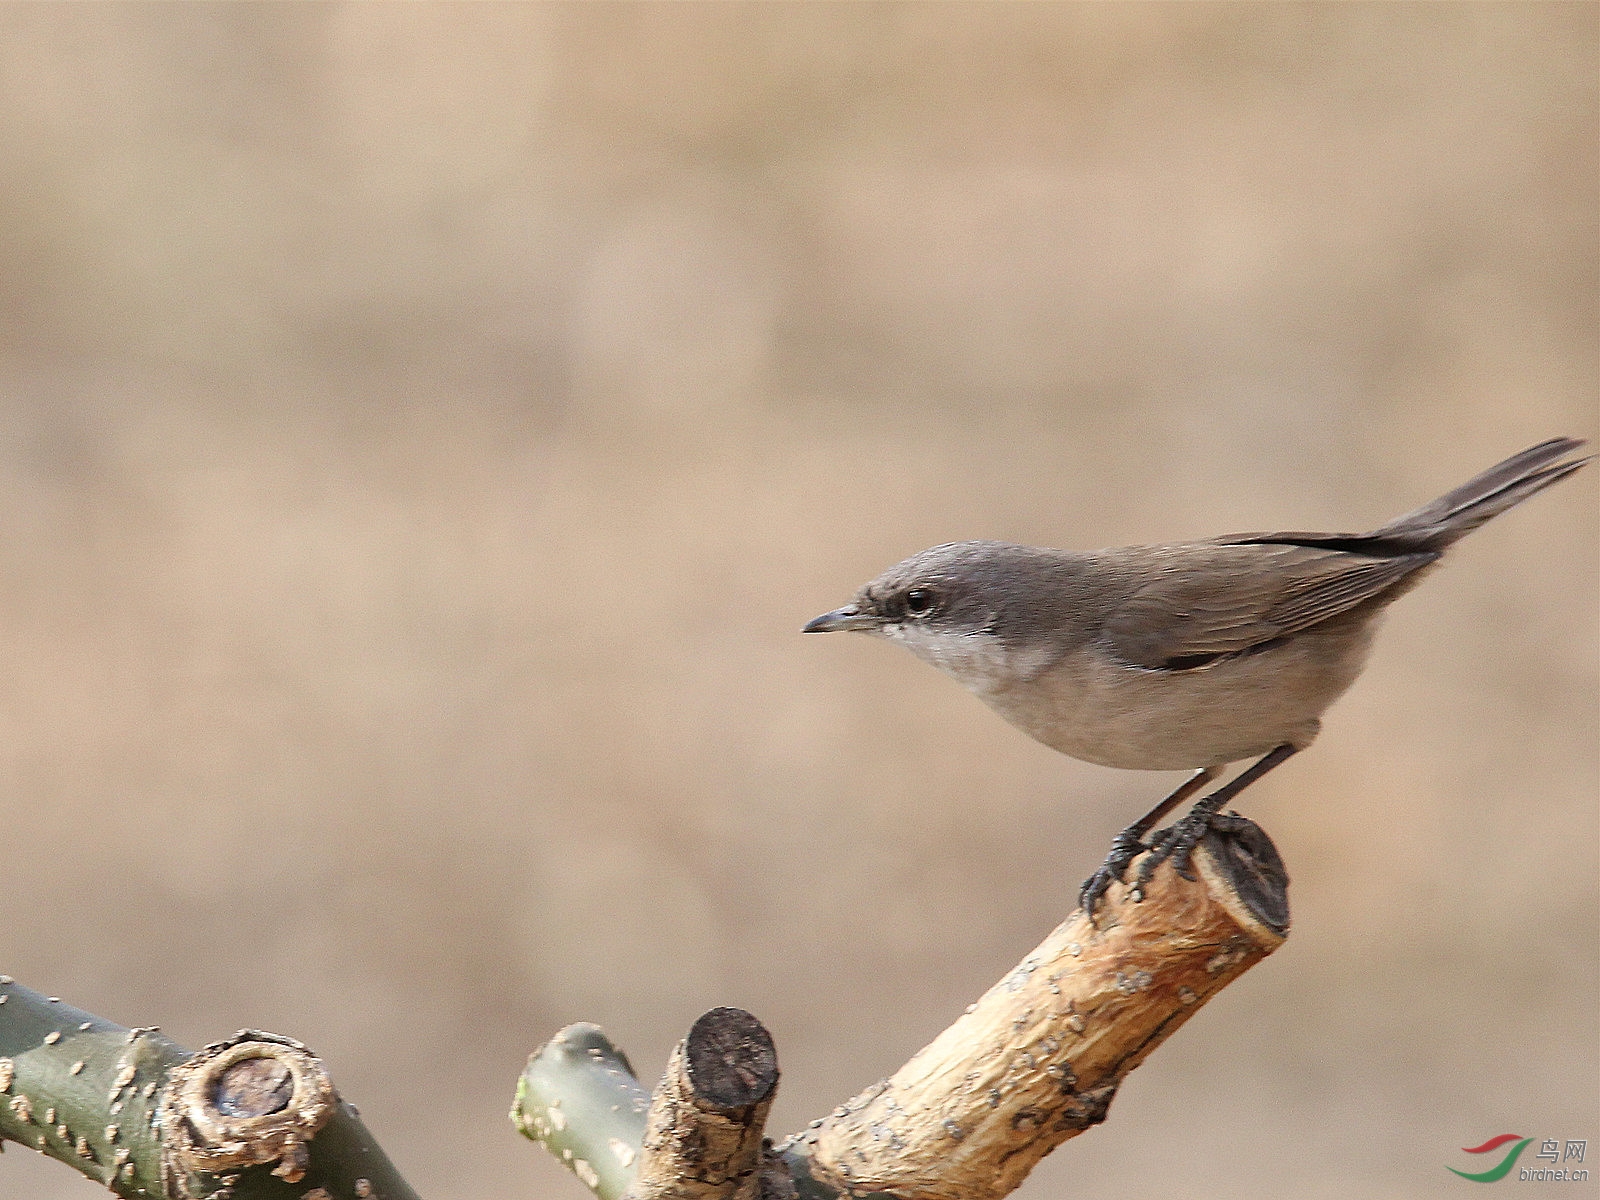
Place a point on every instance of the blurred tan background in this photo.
(424, 430)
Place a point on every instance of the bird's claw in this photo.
(1178, 840)
(1125, 847)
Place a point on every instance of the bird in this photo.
(1189, 656)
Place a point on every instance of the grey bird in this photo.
(1187, 656)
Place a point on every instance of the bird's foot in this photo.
(1178, 840)
(1125, 847)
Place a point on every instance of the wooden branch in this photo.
(1039, 1058)
(1034, 1062)
(252, 1118)
(704, 1138)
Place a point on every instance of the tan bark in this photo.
(1039, 1057)
(1035, 1061)
(704, 1136)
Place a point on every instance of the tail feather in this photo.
(1458, 512)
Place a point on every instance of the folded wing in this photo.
(1205, 601)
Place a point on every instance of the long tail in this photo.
(1457, 513)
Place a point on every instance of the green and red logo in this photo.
(1501, 1169)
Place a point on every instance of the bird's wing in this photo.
(1210, 599)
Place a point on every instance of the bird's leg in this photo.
(1127, 845)
(1178, 840)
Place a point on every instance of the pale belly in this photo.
(1103, 712)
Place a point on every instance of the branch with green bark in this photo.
(1034, 1062)
(251, 1118)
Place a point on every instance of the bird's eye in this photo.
(919, 602)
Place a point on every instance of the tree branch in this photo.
(1039, 1057)
(579, 1097)
(1035, 1061)
(252, 1118)
(704, 1139)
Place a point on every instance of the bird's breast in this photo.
(1093, 707)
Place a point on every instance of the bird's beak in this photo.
(848, 617)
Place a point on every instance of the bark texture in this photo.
(705, 1136)
(1035, 1061)
(251, 1118)
(1039, 1057)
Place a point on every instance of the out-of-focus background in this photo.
(424, 430)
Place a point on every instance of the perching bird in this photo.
(1193, 655)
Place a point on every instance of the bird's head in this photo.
(964, 607)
